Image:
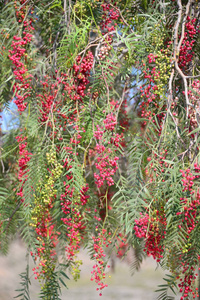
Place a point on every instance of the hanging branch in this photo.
(177, 48)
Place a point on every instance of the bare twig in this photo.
(178, 50)
(107, 88)
(186, 87)
(183, 23)
(176, 127)
(183, 153)
(54, 50)
(195, 76)
(65, 11)
(177, 46)
(170, 89)
(3, 167)
(69, 12)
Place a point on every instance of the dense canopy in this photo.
(102, 150)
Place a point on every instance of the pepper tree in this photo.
(105, 150)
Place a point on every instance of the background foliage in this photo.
(105, 150)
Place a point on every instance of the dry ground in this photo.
(121, 285)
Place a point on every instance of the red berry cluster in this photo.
(151, 89)
(98, 273)
(188, 280)
(47, 100)
(187, 284)
(81, 71)
(188, 220)
(24, 158)
(109, 16)
(186, 53)
(22, 87)
(21, 9)
(187, 180)
(154, 172)
(152, 230)
(110, 122)
(121, 245)
(73, 203)
(77, 137)
(73, 215)
(47, 240)
(73, 206)
(106, 165)
(75, 88)
(191, 208)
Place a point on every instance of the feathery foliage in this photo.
(103, 152)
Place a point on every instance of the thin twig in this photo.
(107, 88)
(170, 89)
(178, 46)
(186, 87)
(177, 132)
(183, 23)
(69, 12)
(3, 167)
(195, 76)
(65, 11)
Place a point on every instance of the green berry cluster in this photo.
(47, 192)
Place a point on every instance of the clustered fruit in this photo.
(106, 164)
(98, 273)
(152, 230)
(22, 88)
(186, 53)
(151, 227)
(42, 221)
(188, 221)
(156, 77)
(109, 16)
(24, 158)
(54, 90)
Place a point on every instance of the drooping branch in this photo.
(178, 46)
